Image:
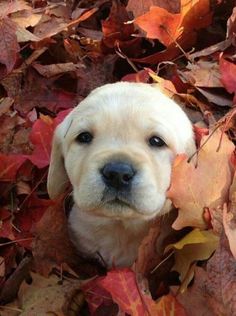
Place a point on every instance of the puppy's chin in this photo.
(119, 210)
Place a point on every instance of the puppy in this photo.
(116, 149)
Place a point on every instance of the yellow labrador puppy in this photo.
(116, 148)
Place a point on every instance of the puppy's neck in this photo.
(116, 240)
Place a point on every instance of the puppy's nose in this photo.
(117, 175)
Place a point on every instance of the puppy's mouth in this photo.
(116, 199)
(118, 202)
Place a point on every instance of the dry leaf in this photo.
(45, 296)
(204, 186)
(196, 245)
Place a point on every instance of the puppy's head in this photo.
(117, 147)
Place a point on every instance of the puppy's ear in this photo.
(58, 180)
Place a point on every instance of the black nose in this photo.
(118, 175)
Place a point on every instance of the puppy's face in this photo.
(117, 147)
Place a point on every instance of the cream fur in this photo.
(122, 117)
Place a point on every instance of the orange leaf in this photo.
(132, 297)
(168, 28)
(206, 186)
(159, 23)
(122, 286)
(169, 306)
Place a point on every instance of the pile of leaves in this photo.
(52, 54)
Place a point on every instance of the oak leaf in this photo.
(204, 186)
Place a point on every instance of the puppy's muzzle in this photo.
(118, 175)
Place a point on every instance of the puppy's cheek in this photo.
(88, 194)
(149, 191)
(150, 202)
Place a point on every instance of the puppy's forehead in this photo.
(125, 103)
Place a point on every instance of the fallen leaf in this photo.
(168, 28)
(26, 18)
(133, 299)
(231, 25)
(14, 6)
(52, 245)
(40, 92)
(141, 76)
(221, 46)
(47, 295)
(55, 69)
(41, 137)
(10, 165)
(141, 7)
(114, 27)
(203, 74)
(196, 245)
(169, 305)
(27, 217)
(213, 290)
(229, 216)
(24, 35)
(230, 229)
(95, 295)
(159, 24)
(5, 105)
(9, 47)
(228, 74)
(221, 98)
(125, 293)
(206, 185)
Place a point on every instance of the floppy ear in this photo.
(58, 180)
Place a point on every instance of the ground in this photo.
(52, 54)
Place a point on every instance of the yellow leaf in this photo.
(196, 245)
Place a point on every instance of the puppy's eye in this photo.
(156, 141)
(84, 138)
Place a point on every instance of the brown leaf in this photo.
(14, 6)
(192, 189)
(52, 245)
(151, 250)
(55, 69)
(231, 25)
(148, 256)
(194, 299)
(140, 7)
(26, 18)
(203, 74)
(47, 296)
(11, 286)
(9, 47)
